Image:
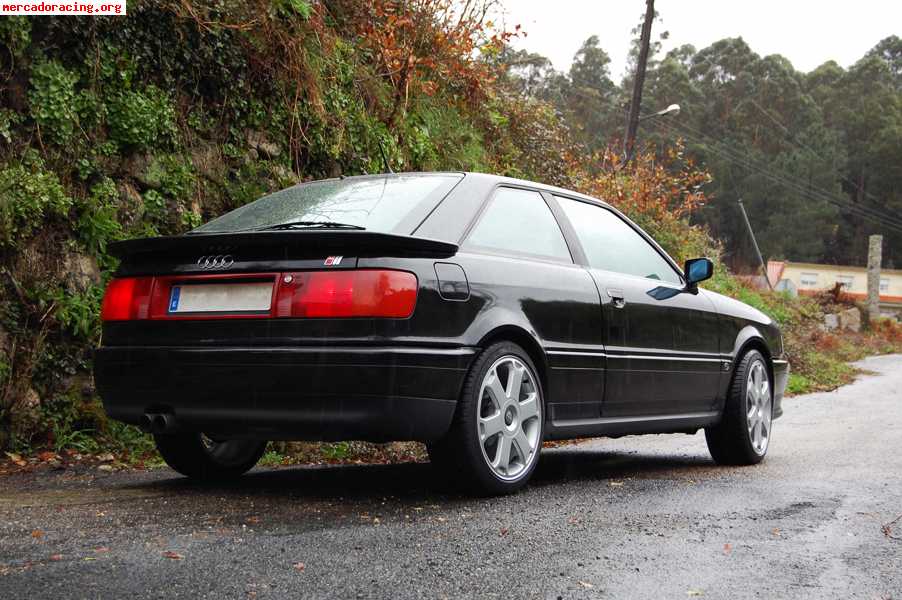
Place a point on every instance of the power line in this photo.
(707, 60)
(792, 139)
(810, 192)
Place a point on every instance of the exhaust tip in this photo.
(160, 423)
(157, 423)
(146, 423)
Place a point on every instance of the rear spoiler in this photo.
(321, 241)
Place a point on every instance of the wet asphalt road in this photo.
(639, 517)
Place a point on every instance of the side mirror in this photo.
(698, 269)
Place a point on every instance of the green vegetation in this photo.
(149, 125)
(809, 153)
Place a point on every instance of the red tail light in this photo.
(126, 299)
(310, 294)
(390, 294)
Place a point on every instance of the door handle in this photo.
(617, 298)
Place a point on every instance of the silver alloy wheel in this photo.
(758, 407)
(509, 418)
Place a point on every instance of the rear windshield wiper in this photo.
(309, 225)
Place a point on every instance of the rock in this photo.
(831, 322)
(25, 413)
(286, 177)
(105, 468)
(258, 141)
(80, 272)
(850, 319)
(209, 163)
(138, 167)
(131, 204)
(251, 156)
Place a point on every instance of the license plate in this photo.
(221, 297)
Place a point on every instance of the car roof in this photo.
(487, 179)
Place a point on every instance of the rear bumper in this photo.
(308, 393)
(781, 378)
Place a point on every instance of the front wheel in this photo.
(496, 436)
(744, 432)
(199, 457)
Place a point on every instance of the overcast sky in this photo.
(809, 33)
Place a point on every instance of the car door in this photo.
(661, 341)
(521, 273)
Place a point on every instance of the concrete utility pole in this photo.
(755, 244)
(875, 253)
(632, 122)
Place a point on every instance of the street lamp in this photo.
(673, 109)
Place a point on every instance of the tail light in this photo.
(126, 299)
(391, 294)
(307, 294)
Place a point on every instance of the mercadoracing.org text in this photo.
(42, 7)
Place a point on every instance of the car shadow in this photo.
(419, 482)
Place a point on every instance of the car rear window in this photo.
(384, 203)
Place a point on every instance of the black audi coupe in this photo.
(479, 314)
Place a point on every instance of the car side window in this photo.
(520, 222)
(611, 244)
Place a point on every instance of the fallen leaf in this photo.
(46, 456)
(504, 531)
(18, 460)
(173, 555)
(572, 521)
(695, 593)
(776, 531)
(299, 567)
(252, 520)
(727, 548)
(37, 534)
(586, 585)
(56, 557)
(101, 550)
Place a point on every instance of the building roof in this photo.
(823, 267)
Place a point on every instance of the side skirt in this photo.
(617, 426)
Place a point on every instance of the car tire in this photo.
(495, 438)
(196, 456)
(743, 434)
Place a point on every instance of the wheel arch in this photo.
(750, 338)
(521, 337)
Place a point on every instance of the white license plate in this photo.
(221, 297)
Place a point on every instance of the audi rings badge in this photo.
(213, 262)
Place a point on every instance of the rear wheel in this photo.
(743, 435)
(199, 457)
(496, 436)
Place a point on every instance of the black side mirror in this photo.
(698, 269)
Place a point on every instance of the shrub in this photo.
(28, 194)
(140, 119)
(53, 101)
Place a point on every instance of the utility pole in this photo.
(875, 251)
(755, 244)
(632, 122)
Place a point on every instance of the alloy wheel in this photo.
(509, 418)
(758, 407)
